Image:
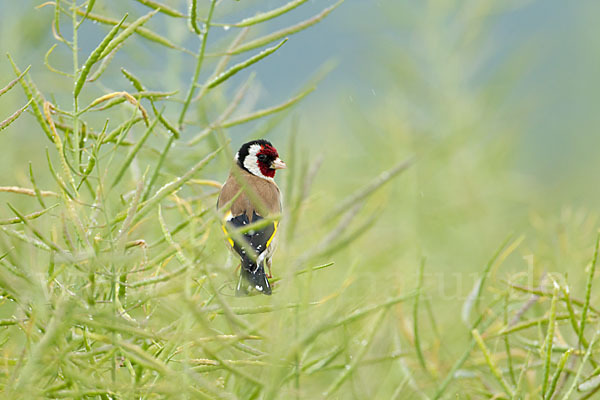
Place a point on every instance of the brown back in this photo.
(266, 190)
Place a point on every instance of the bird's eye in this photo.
(262, 157)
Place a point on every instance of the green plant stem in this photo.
(75, 51)
(199, 61)
(588, 291)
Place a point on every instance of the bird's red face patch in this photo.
(265, 157)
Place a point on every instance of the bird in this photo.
(248, 195)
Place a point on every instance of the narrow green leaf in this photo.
(284, 32)
(36, 190)
(244, 64)
(173, 185)
(56, 25)
(88, 10)
(194, 16)
(27, 239)
(114, 135)
(35, 231)
(544, 293)
(162, 8)
(591, 384)
(582, 365)
(307, 270)
(165, 122)
(57, 178)
(113, 324)
(50, 67)
(491, 364)
(549, 342)
(4, 124)
(524, 370)
(30, 95)
(137, 84)
(267, 15)
(532, 323)
(347, 371)
(509, 359)
(8, 322)
(223, 61)
(316, 268)
(167, 235)
(142, 357)
(451, 375)
(363, 312)
(199, 63)
(14, 81)
(158, 279)
(588, 290)
(143, 32)
(25, 191)
(161, 160)
(258, 309)
(133, 152)
(128, 31)
(573, 319)
(34, 215)
(375, 184)
(559, 369)
(267, 111)
(54, 330)
(292, 200)
(58, 143)
(96, 55)
(241, 92)
(104, 64)
(474, 297)
(132, 209)
(417, 335)
(133, 79)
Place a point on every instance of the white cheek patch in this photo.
(251, 162)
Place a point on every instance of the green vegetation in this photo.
(412, 263)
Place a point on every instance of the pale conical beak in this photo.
(278, 164)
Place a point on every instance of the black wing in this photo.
(252, 275)
(256, 240)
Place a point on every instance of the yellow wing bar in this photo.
(230, 239)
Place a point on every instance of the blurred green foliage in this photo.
(467, 274)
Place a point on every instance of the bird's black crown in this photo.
(245, 149)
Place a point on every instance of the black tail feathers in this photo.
(252, 276)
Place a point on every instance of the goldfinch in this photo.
(251, 194)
